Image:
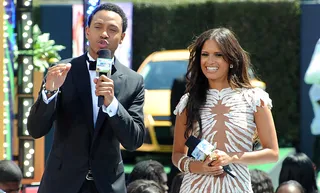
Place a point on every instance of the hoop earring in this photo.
(231, 65)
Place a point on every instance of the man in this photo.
(312, 76)
(10, 177)
(85, 155)
(177, 90)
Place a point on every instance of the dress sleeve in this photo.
(182, 104)
(257, 97)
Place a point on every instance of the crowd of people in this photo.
(297, 175)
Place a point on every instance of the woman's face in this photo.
(213, 65)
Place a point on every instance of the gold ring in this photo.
(213, 157)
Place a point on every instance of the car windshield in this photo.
(160, 75)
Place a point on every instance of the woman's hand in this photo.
(205, 168)
(223, 158)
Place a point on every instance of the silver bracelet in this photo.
(51, 92)
(187, 165)
(179, 162)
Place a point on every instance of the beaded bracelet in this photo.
(187, 164)
(179, 162)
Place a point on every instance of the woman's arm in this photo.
(268, 138)
(179, 148)
(180, 151)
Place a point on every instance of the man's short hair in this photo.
(110, 7)
(9, 171)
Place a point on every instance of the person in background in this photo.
(149, 170)
(177, 90)
(299, 167)
(10, 177)
(261, 182)
(176, 183)
(312, 77)
(290, 186)
(144, 186)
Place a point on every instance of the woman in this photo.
(223, 108)
(299, 167)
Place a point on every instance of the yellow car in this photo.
(159, 70)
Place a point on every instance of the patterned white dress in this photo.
(228, 123)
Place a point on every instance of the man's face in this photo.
(104, 32)
(10, 187)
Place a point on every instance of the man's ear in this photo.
(122, 37)
(87, 31)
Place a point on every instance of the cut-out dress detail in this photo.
(227, 119)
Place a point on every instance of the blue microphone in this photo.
(200, 149)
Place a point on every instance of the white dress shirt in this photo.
(111, 110)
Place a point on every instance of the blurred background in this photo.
(279, 35)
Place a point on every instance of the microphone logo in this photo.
(202, 150)
(104, 65)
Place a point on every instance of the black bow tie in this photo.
(92, 64)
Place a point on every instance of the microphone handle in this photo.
(101, 98)
(228, 170)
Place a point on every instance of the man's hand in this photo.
(104, 87)
(56, 76)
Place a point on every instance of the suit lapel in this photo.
(118, 79)
(81, 80)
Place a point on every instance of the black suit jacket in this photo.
(77, 145)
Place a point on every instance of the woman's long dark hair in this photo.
(299, 167)
(197, 83)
